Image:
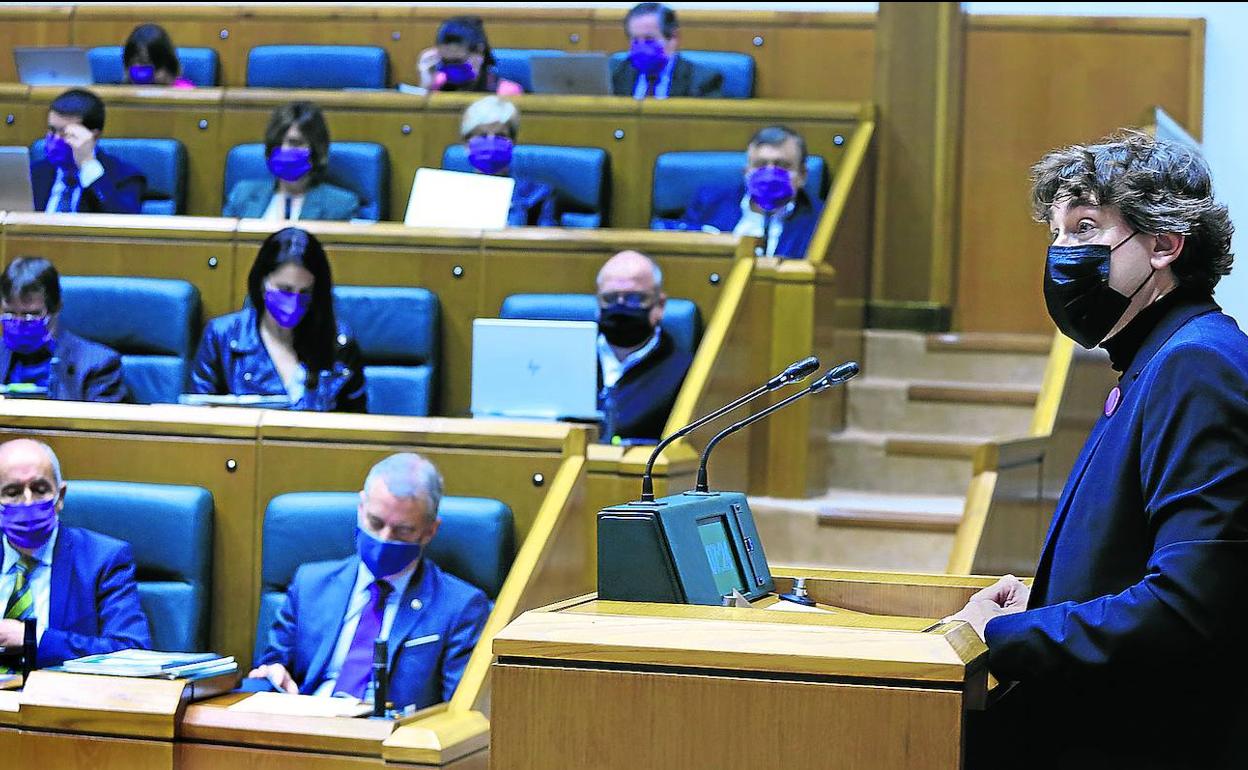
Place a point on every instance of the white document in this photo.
(300, 705)
(454, 199)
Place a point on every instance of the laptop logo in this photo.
(534, 367)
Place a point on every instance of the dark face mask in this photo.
(1077, 291)
(625, 327)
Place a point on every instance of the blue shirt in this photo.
(40, 579)
(91, 171)
(661, 88)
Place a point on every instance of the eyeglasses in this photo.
(22, 316)
(632, 299)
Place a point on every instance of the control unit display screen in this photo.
(720, 555)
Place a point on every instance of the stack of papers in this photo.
(301, 705)
(150, 663)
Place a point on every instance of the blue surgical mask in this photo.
(29, 526)
(385, 557)
(142, 74)
(59, 153)
(490, 154)
(26, 335)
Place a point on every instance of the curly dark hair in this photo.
(1159, 186)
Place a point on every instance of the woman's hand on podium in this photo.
(1004, 597)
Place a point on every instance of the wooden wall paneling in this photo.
(16, 125)
(31, 25)
(193, 25)
(1019, 105)
(566, 28)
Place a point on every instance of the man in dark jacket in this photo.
(640, 370)
(654, 67)
(75, 175)
(39, 358)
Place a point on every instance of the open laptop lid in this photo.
(587, 74)
(53, 66)
(15, 189)
(535, 369)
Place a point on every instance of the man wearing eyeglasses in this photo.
(640, 370)
(40, 359)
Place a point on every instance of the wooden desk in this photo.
(624, 685)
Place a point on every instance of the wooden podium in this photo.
(876, 682)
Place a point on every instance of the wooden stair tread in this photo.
(932, 446)
(973, 393)
(883, 510)
(987, 342)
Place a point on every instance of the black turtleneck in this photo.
(1123, 346)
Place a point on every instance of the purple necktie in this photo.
(357, 668)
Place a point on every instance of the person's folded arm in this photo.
(115, 192)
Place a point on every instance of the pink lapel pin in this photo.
(1112, 401)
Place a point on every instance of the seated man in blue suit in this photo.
(640, 371)
(654, 67)
(75, 175)
(77, 585)
(1128, 648)
(38, 356)
(431, 620)
(770, 203)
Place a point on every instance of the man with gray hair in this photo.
(76, 585)
(431, 620)
(640, 369)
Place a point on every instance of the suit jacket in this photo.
(94, 599)
(721, 209)
(688, 79)
(640, 402)
(532, 205)
(310, 621)
(82, 370)
(1131, 651)
(324, 201)
(119, 191)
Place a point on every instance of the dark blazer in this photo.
(119, 191)
(232, 359)
(250, 198)
(639, 404)
(428, 647)
(688, 79)
(1132, 651)
(532, 204)
(94, 601)
(82, 370)
(721, 209)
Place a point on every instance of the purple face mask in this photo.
(290, 163)
(59, 153)
(26, 336)
(28, 526)
(287, 307)
(458, 73)
(490, 154)
(770, 187)
(647, 56)
(142, 74)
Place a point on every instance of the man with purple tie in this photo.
(430, 620)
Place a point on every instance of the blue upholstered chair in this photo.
(475, 542)
(514, 64)
(317, 66)
(679, 175)
(577, 174)
(737, 69)
(680, 319)
(169, 529)
(152, 322)
(162, 161)
(398, 332)
(361, 167)
(199, 65)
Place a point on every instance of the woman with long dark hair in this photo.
(286, 341)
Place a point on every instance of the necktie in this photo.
(288, 206)
(66, 204)
(21, 604)
(652, 82)
(357, 668)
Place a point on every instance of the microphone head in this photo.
(799, 370)
(837, 375)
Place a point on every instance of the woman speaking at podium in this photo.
(1129, 648)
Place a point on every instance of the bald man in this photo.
(639, 368)
(77, 585)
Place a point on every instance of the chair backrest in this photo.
(361, 167)
(681, 319)
(169, 529)
(578, 176)
(737, 69)
(515, 64)
(317, 66)
(475, 542)
(199, 65)
(398, 333)
(152, 322)
(162, 161)
(679, 175)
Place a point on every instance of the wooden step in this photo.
(971, 393)
(933, 446)
(984, 342)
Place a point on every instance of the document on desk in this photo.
(289, 705)
(784, 606)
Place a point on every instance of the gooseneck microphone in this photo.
(799, 370)
(835, 376)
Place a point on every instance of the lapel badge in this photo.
(1112, 401)
(417, 604)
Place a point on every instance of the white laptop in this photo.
(454, 199)
(535, 369)
(15, 190)
(588, 74)
(53, 66)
